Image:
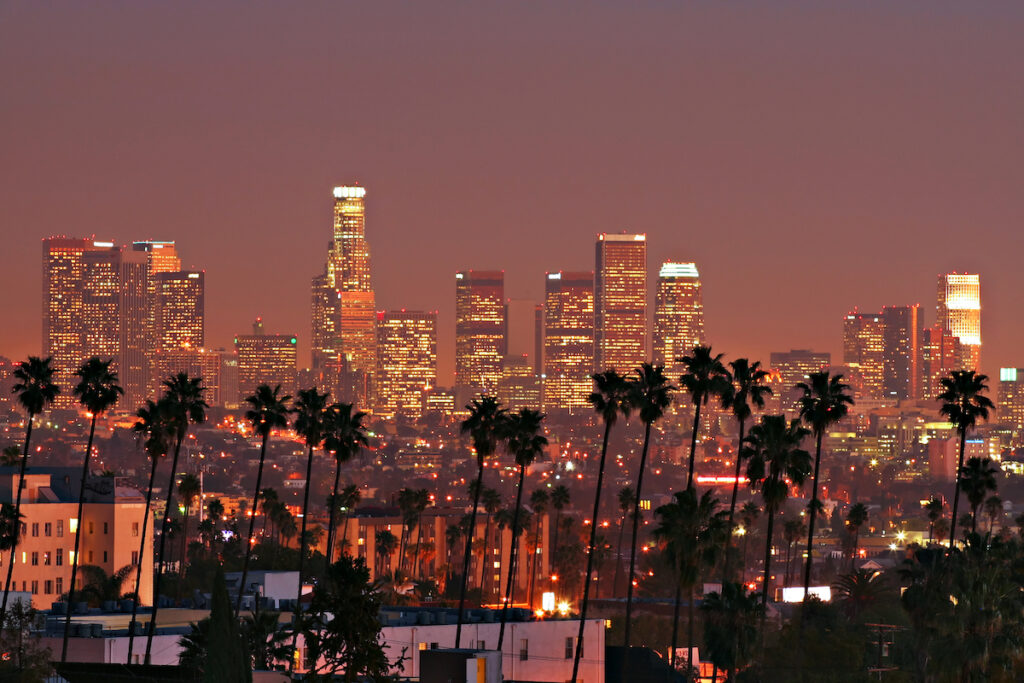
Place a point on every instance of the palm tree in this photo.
(651, 396)
(492, 504)
(559, 501)
(182, 404)
(963, 403)
(934, 508)
(525, 441)
(155, 424)
(407, 509)
(749, 514)
(775, 459)
(792, 531)
(626, 499)
(611, 398)
(855, 519)
(730, 627)
(824, 402)
(860, 590)
(268, 410)
(538, 504)
(385, 544)
(346, 434)
(704, 377)
(421, 500)
(347, 501)
(310, 422)
(691, 530)
(994, 509)
(484, 424)
(746, 390)
(977, 479)
(188, 490)
(98, 391)
(35, 390)
(268, 505)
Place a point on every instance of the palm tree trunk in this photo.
(344, 535)
(590, 552)
(538, 544)
(252, 526)
(746, 543)
(142, 554)
(618, 557)
(732, 504)
(468, 555)
(512, 553)
(417, 567)
(302, 553)
(789, 562)
(632, 554)
(811, 517)
(184, 540)
(693, 441)
(332, 512)
(17, 519)
(956, 493)
(690, 627)
(483, 562)
(675, 625)
(78, 539)
(160, 554)
(767, 562)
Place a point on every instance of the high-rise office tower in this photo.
(864, 353)
(568, 339)
(479, 329)
(620, 302)
(519, 386)
(70, 313)
(344, 306)
(958, 311)
(941, 353)
(406, 361)
(197, 362)
(266, 359)
(180, 309)
(678, 315)
(144, 260)
(793, 367)
(903, 329)
(1010, 409)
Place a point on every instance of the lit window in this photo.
(72, 526)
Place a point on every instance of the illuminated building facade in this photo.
(678, 315)
(958, 311)
(1010, 408)
(197, 362)
(903, 330)
(864, 353)
(519, 386)
(793, 367)
(266, 359)
(568, 352)
(479, 329)
(941, 353)
(180, 309)
(69, 313)
(620, 302)
(407, 361)
(344, 336)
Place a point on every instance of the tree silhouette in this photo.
(855, 519)
(268, 410)
(97, 391)
(703, 378)
(978, 479)
(345, 436)
(963, 404)
(934, 509)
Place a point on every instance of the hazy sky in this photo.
(809, 156)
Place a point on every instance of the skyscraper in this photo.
(344, 306)
(903, 329)
(620, 302)
(519, 386)
(796, 366)
(941, 353)
(568, 339)
(1010, 409)
(180, 309)
(69, 314)
(406, 361)
(864, 353)
(958, 311)
(266, 359)
(678, 315)
(479, 329)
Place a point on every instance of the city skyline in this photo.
(905, 182)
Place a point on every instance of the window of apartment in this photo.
(35, 559)
(92, 528)
(35, 588)
(47, 529)
(135, 557)
(104, 555)
(48, 587)
(569, 649)
(135, 528)
(90, 557)
(60, 528)
(60, 585)
(433, 646)
(481, 644)
(60, 557)
(47, 560)
(24, 529)
(106, 528)
(524, 650)
(35, 529)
